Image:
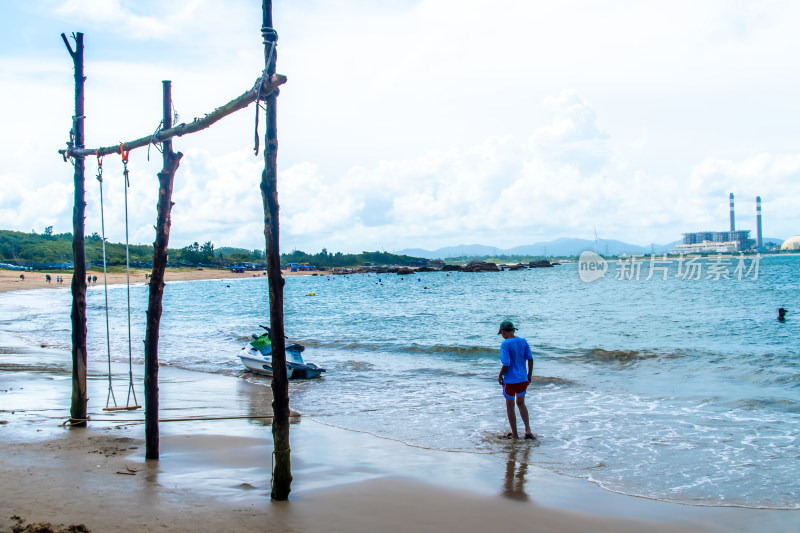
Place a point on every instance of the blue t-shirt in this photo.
(513, 354)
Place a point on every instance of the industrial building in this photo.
(723, 241)
(791, 244)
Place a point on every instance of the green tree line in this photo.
(338, 259)
(56, 249)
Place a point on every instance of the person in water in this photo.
(515, 355)
(782, 315)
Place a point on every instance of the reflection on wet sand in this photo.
(257, 396)
(516, 468)
(258, 401)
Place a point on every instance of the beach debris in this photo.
(129, 471)
(46, 527)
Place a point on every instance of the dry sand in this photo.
(213, 474)
(10, 280)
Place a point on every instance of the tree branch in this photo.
(269, 86)
(69, 48)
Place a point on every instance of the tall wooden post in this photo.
(78, 315)
(165, 181)
(282, 475)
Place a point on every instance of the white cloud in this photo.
(423, 123)
(564, 179)
(114, 13)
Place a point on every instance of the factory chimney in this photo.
(759, 240)
(733, 224)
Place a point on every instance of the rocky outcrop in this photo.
(451, 268)
(540, 264)
(404, 271)
(481, 266)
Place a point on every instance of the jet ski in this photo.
(257, 357)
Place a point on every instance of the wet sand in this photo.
(10, 279)
(213, 474)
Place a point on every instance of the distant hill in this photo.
(562, 247)
(453, 251)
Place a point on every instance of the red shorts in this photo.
(511, 390)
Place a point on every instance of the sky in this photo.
(414, 124)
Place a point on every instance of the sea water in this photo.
(654, 380)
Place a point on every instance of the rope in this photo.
(258, 109)
(154, 141)
(189, 419)
(131, 390)
(270, 37)
(272, 468)
(110, 395)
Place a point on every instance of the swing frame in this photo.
(265, 90)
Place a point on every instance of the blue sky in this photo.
(416, 123)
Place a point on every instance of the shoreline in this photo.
(216, 472)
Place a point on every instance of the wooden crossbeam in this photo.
(269, 86)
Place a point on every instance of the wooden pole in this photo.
(78, 407)
(282, 475)
(165, 180)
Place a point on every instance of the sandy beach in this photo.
(11, 280)
(214, 470)
(213, 474)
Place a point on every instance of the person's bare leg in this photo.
(523, 412)
(512, 417)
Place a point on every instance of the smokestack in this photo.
(759, 240)
(733, 223)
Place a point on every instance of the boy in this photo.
(514, 353)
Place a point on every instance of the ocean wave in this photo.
(54, 369)
(442, 373)
(436, 349)
(448, 350)
(622, 356)
(355, 366)
(550, 380)
(762, 404)
(16, 350)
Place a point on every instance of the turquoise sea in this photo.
(682, 389)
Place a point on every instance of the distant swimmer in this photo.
(782, 314)
(514, 378)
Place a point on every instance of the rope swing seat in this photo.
(110, 398)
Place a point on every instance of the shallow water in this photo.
(671, 389)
